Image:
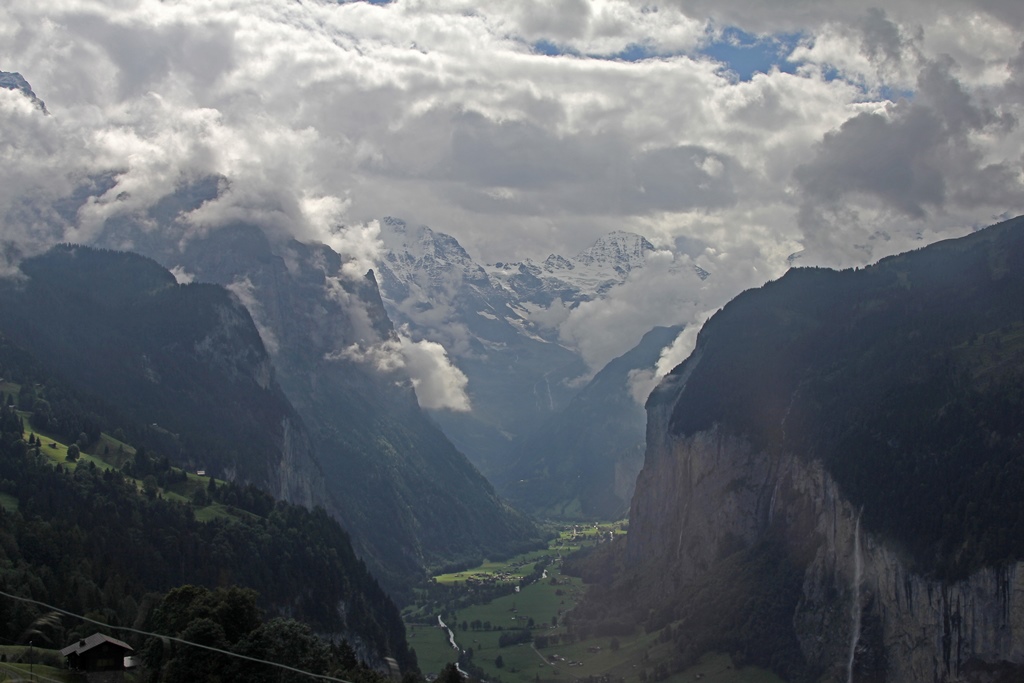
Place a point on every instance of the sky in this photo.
(747, 135)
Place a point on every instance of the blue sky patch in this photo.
(746, 54)
(743, 53)
(549, 49)
(635, 52)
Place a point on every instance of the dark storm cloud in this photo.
(920, 156)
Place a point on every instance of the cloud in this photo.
(320, 117)
(667, 291)
(915, 158)
(770, 16)
(641, 381)
(873, 51)
(184, 277)
(245, 292)
(359, 245)
(438, 383)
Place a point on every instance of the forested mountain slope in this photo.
(189, 362)
(99, 540)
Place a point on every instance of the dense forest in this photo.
(229, 620)
(106, 542)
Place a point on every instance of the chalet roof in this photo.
(92, 641)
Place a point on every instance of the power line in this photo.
(175, 640)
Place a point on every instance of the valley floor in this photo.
(511, 623)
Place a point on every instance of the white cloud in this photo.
(550, 318)
(666, 292)
(184, 277)
(439, 384)
(641, 382)
(245, 292)
(359, 245)
(321, 117)
(384, 357)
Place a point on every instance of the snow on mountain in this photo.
(413, 253)
(619, 251)
(517, 373)
(589, 275)
(502, 324)
(431, 284)
(429, 280)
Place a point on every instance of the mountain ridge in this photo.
(185, 354)
(66, 520)
(12, 80)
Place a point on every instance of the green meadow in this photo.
(480, 621)
(108, 453)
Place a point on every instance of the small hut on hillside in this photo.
(97, 653)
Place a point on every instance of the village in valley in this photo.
(510, 622)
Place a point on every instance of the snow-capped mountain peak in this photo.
(556, 262)
(502, 324)
(621, 251)
(412, 253)
(586, 276)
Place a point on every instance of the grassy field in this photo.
(553, 656)
(8, 502)
(14, 665)
(110, 454)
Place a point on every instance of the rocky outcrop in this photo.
(299, 478)
(862, 614)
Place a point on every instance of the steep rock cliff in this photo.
(861, 613)
(858, 434)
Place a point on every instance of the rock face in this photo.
(862, 614)
(779, 442)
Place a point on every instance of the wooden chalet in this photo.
(97, 653)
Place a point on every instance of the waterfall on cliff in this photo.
(855, 611)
